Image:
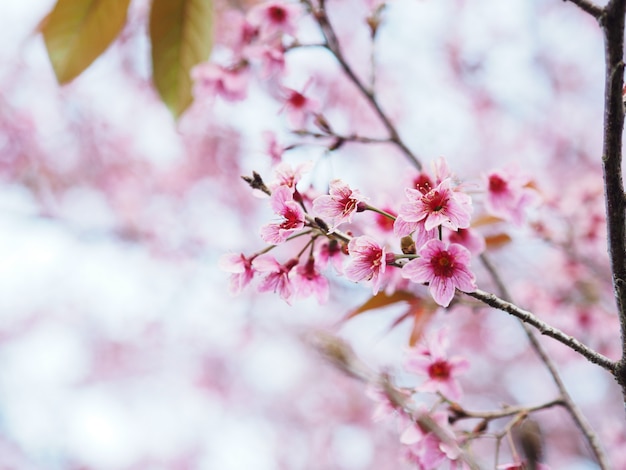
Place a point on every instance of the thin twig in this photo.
(572, 408)
(508, 410)
(332, 44)
(344, 138)
(589, 7)
(544, 328)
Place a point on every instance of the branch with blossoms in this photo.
(433, 226)
(545, 329)
(430, 436)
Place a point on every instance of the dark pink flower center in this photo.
(277, 14)
(348, 205)
(375, 257)
(497, 184)
(384, 223)
(439, 370)
(292, 220)
(423, 183)
(309, 271)
(297, 100)
(436, 201)
(443, 264)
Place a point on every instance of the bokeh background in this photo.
(120, 347)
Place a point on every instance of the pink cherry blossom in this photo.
(339, 205)
(508, 194)
(309, 281)
(273, 147)
(277, 280)
(231, 83)
(241, 269)
(298, 106)
(275, 18)
(270, 58)
(384, 407)
(287, 175)
(439, 206)
(444, 267)
(432, 361)
(424, 447)
(368, 261)
(291, 212)
(468, 238)
(330, 252)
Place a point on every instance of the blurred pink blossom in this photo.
(508, 194)
(309, 281)
(274, 18)
(277, 280)
(211, 80)
(432, 361)
(241, 269)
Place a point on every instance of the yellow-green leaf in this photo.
(76, 32)
(181, 37)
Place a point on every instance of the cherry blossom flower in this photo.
(277, 280)
(384, 223)
(293, 217)
(445, 267)
(439, 206)
(339, 205)
(273, 147)
(432, 361)
(275, 18)
(298, 106)
(241, 269)
(231, 83)
(309, 281)
(384, 407)
(271, 58)
(425, 447)
(508, 194)
(468, 238)
(289, 176)
(368, 261)
(330, 251)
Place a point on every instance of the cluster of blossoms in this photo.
(432, 229)
(426, 240)
(428, 436)
(259, 49)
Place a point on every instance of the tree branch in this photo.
(613, 26)
(545, 329)
(572, 408)
(332, 44)
(588, 7)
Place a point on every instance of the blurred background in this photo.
(120, 347)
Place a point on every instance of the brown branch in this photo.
(588, 7)
(577, 415)
(332, 44)
(613, 27)
(544, 328)
(506, 411)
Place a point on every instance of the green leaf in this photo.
(181, 36)
(76, 32)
